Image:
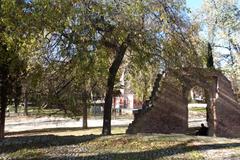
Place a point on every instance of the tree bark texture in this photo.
(120, 52)
(85, 107)
(3, 98)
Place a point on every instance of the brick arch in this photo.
(169, 113)
(209, 94)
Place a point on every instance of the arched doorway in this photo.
(198, 111)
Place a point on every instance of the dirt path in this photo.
(23, 123)
(31, 123)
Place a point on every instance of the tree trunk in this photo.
(16, 104)
(17, 94)
(120, 52)
(85, 111)
(26, 103)
(3, 96)
(4, 72)
(85, 117)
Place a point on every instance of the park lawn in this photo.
(198, 109)
(37, 111)
(89, 144)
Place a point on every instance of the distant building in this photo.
(126, 98)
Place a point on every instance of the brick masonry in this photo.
(169, 111)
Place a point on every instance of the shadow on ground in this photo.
(48, 130)
(55, 130)
(13, 144)
(163, 153)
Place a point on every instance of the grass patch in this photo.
(198, 109)
(196, 155)
(76, 131)
(89, 145)
(37, 111)
(25, 154)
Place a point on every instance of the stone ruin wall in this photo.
(170, 111)
(227, 111)
(167, 115)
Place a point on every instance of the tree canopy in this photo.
(63, 53)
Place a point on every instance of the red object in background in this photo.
(137, 104)
(121, 102)
(114, 102)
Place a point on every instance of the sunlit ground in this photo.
(75, 143)
(88, 144)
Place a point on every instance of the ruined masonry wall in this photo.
(167, 115)
(227, 110)
(170, 111)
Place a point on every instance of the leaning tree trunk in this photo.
(3, 96)
(120, 52)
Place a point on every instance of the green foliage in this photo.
(23, 153)
(12, 40)
(141, 80)
(64, 50)
(220, 27)
(210, 63)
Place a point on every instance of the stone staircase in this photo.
(138, 114)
